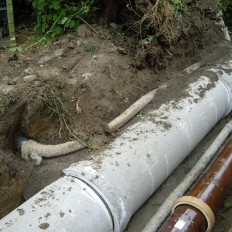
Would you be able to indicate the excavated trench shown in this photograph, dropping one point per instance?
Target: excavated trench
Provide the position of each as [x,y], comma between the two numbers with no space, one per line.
[9,175]
[14,173]
[13,180]
[14,177]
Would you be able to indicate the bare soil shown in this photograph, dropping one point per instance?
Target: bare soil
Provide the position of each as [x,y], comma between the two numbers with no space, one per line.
[94,80]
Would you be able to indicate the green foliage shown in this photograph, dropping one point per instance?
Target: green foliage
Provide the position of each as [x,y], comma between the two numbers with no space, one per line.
[4,104]
[226,7]
[180,5]
[41,40]
[89,144]
[227,204]
[223,4]
[90,47]
[150,38]
[140,115]
[16,49]
[58,16]
[120,33]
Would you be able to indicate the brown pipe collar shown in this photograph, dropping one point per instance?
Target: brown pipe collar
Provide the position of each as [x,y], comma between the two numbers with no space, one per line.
[195,212]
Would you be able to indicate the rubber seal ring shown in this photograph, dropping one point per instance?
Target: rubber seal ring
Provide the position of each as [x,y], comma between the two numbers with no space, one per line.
[200,205]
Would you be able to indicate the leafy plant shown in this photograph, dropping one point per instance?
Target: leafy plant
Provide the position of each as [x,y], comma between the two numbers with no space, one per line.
[57,16]
[16,49]
[180,5]
[226,7]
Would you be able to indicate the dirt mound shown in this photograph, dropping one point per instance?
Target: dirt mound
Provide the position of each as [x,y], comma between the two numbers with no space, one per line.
[75,86]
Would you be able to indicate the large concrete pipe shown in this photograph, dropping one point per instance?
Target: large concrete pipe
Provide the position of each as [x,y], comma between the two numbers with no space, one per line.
[103,193]
[66,205]
[195,212]
[164,210]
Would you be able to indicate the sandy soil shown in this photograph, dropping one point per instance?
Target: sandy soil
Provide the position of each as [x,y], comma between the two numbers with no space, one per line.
[94,80]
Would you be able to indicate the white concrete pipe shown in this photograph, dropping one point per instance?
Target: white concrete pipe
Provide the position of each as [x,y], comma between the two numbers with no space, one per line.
[102,194]
[66,205]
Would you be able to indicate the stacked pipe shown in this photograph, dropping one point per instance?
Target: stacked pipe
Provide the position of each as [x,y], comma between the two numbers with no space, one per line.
[164,210]
[103,193]
[195,212]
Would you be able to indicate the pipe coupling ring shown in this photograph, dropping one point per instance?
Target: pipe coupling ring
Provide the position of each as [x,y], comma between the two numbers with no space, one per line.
[200,205]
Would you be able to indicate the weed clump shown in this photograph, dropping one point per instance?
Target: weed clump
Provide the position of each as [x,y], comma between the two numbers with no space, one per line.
[163,19]
[90,47]
[4,104]
[56,106]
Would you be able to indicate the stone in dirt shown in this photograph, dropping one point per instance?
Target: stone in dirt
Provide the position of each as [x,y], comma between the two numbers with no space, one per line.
[29,71]
[30,78]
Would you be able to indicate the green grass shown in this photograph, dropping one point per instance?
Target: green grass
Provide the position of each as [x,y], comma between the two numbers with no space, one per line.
[90,47]
[4,104]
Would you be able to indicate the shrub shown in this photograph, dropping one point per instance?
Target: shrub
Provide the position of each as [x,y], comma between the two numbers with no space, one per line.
[226,7]
[57,16]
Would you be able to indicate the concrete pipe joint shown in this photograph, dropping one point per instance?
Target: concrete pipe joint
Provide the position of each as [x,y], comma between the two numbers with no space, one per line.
[103,193]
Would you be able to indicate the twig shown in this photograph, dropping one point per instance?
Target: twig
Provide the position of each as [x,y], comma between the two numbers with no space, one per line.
[40,40]
[55,104]
[74,136]
[89,26]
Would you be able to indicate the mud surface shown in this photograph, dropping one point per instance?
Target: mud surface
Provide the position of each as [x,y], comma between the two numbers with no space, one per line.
[75,85]
[14,176]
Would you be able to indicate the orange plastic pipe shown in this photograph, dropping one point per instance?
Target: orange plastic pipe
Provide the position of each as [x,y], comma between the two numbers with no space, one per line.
[195,212]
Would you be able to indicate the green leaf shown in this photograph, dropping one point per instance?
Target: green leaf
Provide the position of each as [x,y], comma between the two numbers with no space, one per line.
[57,30]
[55,16]
[63,21]
[119,33]
[49,16]
[16,49]
[227,204]
[34,4]
[54,5]
[150,38]
[13,49]
[72,24]
[67,23]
